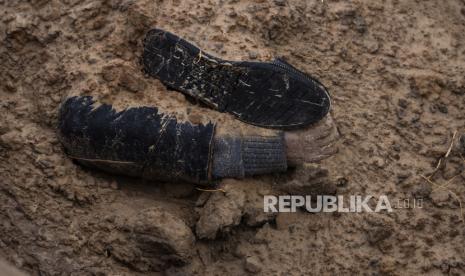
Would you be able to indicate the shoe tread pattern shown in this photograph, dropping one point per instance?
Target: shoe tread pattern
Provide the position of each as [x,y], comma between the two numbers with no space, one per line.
[273,95]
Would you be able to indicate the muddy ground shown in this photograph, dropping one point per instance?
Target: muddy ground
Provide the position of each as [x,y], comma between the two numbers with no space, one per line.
[395,70]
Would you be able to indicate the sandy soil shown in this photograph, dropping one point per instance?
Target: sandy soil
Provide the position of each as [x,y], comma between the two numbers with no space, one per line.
[396,73]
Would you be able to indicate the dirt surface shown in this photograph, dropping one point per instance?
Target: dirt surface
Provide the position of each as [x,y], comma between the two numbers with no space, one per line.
[395,70]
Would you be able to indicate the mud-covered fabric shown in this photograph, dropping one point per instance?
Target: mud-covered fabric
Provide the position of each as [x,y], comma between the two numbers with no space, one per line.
[227,158]
[237,157]
[138,141]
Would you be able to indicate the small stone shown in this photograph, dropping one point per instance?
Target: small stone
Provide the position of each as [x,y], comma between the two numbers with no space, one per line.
[253,55]
[43,147]
[114,185]
[252,264]
[378,162]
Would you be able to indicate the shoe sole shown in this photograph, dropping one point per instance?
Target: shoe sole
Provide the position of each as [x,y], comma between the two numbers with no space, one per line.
[273,95]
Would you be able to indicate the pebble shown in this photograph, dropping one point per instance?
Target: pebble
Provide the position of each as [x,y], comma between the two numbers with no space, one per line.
[252,264]
[114,185]
[378,162]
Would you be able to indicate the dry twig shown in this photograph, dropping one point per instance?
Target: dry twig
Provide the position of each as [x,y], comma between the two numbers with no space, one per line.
[445,185]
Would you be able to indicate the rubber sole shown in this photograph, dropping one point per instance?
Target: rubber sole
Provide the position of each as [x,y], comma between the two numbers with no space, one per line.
[273,95]
[138,141]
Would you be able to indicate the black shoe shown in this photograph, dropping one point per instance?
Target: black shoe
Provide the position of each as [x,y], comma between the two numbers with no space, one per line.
[274,95]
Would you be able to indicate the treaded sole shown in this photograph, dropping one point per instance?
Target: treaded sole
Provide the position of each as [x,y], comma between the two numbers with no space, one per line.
[258,93]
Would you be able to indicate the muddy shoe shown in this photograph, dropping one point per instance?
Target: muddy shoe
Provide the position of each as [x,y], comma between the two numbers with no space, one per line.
[274,95]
